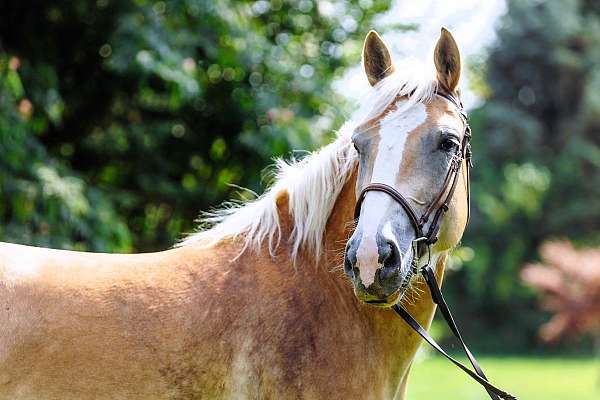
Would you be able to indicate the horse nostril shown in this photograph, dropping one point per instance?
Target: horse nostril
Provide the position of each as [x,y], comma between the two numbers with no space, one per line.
[350,262]
[348,268]
[390,260]
[388,254]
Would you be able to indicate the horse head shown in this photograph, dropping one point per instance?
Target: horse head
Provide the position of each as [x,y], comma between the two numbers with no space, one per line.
[412,151]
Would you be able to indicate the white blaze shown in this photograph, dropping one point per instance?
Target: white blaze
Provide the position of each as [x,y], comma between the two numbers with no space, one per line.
[394,130]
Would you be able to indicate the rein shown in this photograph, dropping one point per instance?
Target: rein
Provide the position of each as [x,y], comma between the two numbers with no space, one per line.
[422,245]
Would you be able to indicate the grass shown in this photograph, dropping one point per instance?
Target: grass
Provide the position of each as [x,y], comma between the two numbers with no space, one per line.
[528,378]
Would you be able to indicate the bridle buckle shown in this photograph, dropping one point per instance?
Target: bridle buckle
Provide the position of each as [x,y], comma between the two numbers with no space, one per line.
[416,246]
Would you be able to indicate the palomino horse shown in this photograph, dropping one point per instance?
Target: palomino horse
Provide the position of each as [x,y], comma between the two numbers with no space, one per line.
[257,307]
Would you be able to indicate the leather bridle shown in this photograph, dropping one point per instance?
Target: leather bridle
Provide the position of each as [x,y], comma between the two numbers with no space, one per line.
[435,212]
[440,204]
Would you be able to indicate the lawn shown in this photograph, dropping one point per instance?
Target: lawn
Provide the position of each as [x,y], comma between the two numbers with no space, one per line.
[526,377]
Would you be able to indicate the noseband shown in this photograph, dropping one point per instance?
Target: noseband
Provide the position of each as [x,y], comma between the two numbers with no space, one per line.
[424,240]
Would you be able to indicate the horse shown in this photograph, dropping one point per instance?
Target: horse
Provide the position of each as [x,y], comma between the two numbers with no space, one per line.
[282,297]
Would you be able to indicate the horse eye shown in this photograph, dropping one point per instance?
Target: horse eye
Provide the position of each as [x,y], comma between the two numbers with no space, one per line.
[356,148]
[449,143]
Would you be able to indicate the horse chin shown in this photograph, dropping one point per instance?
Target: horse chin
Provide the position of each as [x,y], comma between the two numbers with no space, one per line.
[386,302]
[394,297]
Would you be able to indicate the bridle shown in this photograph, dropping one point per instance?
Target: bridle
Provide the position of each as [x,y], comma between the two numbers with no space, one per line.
[463,152]
[435,212]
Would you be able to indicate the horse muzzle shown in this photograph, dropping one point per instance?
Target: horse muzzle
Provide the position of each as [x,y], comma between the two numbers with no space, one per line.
[381,282]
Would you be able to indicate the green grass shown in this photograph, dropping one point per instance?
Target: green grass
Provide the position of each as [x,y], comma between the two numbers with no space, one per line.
[528,378]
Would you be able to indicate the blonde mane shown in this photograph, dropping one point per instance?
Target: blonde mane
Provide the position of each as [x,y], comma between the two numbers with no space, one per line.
[313,183]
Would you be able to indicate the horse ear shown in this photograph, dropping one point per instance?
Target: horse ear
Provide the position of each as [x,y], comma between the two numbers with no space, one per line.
[447,61]
[376,58]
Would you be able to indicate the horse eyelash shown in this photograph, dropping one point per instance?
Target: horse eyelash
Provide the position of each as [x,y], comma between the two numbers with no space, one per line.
[449,138]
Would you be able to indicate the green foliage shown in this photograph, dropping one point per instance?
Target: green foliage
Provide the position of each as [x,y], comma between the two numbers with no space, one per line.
[41,201]
[145,111]
[537,155]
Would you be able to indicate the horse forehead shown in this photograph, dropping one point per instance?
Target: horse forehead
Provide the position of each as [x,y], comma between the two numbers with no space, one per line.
[442,113]
[397,124]
[396,134]
[391,131]
[387,137]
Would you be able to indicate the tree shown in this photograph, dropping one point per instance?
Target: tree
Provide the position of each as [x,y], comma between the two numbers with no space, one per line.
[148,109]
[41,200]
[536,158]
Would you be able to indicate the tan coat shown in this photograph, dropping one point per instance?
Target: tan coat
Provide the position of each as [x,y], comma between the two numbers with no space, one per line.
[189,323]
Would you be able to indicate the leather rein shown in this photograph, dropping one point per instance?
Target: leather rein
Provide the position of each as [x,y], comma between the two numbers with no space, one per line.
[435,212]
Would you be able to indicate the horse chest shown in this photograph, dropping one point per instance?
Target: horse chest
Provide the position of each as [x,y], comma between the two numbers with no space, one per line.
[298,348]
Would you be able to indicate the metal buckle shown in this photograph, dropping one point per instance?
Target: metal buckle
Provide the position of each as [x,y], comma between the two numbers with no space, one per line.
[416,253]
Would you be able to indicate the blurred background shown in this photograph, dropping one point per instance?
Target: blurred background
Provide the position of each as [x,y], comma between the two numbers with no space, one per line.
[120,120]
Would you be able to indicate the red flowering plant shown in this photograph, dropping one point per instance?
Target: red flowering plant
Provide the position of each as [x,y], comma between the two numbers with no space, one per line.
[569,279]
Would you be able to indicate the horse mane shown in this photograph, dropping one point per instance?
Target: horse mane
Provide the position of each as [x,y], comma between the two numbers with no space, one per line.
[313,183]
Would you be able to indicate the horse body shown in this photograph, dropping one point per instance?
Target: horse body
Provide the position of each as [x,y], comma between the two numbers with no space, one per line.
[257,306]
[198,323]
